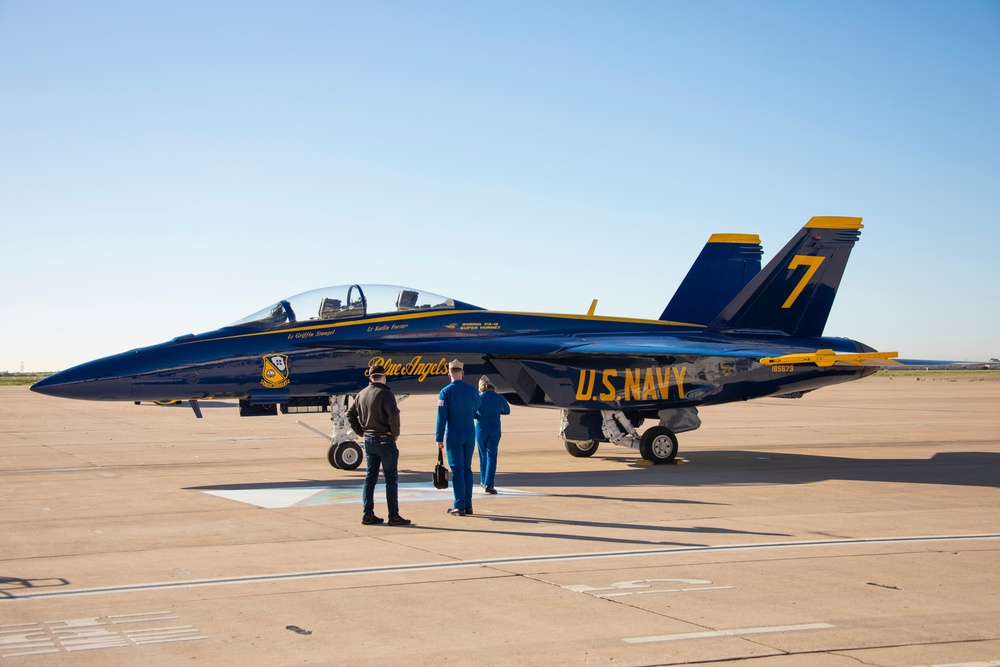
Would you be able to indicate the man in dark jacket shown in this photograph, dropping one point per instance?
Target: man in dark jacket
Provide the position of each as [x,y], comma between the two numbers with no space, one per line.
[375,415]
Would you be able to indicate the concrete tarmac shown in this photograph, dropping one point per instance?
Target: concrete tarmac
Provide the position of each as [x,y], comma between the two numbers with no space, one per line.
[857,525]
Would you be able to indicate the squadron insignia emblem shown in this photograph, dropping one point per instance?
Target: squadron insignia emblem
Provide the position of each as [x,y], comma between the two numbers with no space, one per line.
[275,373]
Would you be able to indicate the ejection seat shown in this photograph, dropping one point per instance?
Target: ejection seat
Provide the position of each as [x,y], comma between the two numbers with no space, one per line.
[407,300]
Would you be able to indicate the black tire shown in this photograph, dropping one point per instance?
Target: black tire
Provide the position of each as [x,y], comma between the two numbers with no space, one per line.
[581,450]
[331,456]
[348,456]
[658,444]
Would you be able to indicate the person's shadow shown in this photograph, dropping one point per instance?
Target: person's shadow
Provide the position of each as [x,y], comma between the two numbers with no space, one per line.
[11,586]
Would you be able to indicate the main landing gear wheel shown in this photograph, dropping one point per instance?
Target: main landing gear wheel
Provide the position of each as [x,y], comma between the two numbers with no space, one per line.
[346,456]
[658,444]
[581,449]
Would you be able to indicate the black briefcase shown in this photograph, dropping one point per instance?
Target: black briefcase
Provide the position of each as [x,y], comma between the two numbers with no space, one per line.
[440,474]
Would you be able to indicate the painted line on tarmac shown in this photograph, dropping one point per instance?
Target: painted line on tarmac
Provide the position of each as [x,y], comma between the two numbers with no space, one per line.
[727,633]
[8,593]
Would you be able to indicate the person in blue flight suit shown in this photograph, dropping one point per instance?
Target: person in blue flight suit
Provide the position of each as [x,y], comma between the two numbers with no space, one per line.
[457,405]
[492,405]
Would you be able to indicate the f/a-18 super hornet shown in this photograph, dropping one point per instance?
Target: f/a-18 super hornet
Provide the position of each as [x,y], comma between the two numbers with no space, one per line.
[731,332]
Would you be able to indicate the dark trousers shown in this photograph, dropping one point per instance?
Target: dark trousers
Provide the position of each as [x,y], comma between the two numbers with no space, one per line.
[487,441]
[381,451]
[460,449]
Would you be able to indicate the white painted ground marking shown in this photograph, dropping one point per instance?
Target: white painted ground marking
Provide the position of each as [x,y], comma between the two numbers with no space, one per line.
[641,586]
[92,633]
[727,633]
[279,496]
[491,562]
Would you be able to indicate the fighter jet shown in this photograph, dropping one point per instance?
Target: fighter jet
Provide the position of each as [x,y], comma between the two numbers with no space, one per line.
[731,332]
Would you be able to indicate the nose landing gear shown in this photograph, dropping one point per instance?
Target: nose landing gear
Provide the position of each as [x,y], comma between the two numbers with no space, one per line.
[345,453]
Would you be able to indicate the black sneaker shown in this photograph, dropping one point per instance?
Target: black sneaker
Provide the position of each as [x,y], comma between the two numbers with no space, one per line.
[468,510]
[456,512]
[371,520]
[491,490]
[398,521]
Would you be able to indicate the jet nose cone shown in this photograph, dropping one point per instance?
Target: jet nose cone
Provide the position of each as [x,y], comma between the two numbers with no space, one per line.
[104,389]
[107,379]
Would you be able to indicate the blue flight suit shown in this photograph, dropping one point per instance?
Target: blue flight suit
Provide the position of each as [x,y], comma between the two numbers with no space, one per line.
[488,433]
[457,405]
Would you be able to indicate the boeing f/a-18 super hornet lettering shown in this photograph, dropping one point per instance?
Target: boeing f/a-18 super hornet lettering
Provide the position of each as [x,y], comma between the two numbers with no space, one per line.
[730,333]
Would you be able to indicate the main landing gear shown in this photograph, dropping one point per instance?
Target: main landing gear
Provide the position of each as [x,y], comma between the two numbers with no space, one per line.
[580,449]
[658,444]
[582,432]
[345,452]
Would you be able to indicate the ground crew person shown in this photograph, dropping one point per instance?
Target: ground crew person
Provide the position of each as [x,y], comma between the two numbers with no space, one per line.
[492,405]
[375,415]
[457,405]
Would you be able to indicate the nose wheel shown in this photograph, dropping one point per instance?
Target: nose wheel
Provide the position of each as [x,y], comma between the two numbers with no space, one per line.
[344,452]
[345,455]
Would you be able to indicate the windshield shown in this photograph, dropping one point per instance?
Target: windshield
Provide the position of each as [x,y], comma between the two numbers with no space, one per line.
[348,302]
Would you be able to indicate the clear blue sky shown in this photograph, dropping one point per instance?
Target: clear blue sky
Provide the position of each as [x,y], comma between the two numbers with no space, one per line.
[169,167]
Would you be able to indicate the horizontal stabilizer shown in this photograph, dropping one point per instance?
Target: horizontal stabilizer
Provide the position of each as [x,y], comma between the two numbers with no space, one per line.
[959,365]
[795,291]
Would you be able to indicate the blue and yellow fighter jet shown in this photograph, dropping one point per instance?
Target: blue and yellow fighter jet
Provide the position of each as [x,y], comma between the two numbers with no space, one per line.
[730,333]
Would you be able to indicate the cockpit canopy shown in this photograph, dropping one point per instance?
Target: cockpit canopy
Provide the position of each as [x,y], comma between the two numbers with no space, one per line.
[343,302]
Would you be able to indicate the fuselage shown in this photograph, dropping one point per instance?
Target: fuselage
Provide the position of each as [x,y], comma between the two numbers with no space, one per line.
[563,361]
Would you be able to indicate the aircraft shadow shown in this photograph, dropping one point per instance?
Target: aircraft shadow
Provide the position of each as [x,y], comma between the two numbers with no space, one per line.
[724,467]
[714,468]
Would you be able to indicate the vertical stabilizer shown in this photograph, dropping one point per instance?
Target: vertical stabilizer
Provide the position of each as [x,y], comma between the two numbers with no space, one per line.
[795,291]
[726,264]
